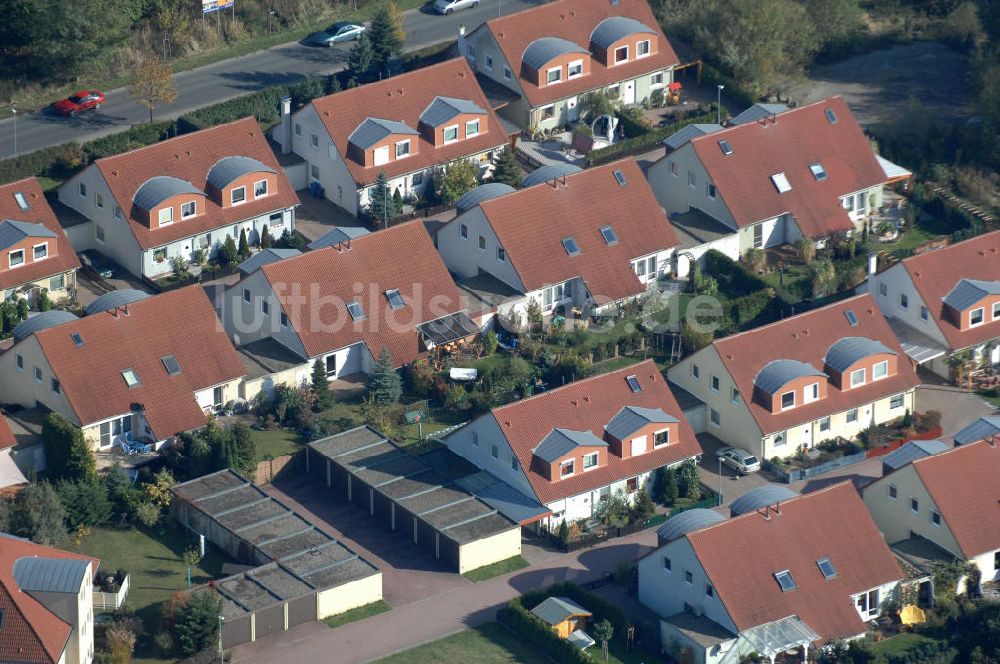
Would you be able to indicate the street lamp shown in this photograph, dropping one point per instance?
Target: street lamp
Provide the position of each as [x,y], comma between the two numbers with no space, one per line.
[221,655]
[14,112]
[385,205]
[720,481]
[718,105]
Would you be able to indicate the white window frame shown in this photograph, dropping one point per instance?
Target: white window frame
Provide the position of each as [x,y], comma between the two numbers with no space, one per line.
[614,55]
[548,112]
[468,124]
[569,69]
[247,298]
[501,254]
[875,369]
[864,377]
[695,371]
[232,195]
[900,398]
[314,141]
[711,191]
[99,200]
[463,231]
[60,286]
[657,445]
[10,258]
[169,220]
[851,416]
[638,49]
[715,383]
[571,464]
[267,188]
[791,405]
[265,307]
[825,424]
[656,80]
[996,311]
[869,612]
[34,251]
[444,134]
[904,301]
[883,289]
[592,455]
[83,189]
[935,522]
[714,417]
[406,154]
[925,315]
[982,316]
[734,396]
[810,393]
[118,213]
[188,216]
[548,75]
[892,493]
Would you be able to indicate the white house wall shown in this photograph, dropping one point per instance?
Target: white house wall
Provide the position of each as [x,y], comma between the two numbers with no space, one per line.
[465,259]
[324,163]
[897,283]
[244,322]
[674,193]
[20,387]
[486,431]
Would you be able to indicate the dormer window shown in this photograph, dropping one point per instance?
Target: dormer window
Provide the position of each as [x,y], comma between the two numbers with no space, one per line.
[661,438]
[553,75]
[621,54]
[976,317]
[880,370]
[238,195]
[403,149]
[788,400]
[188,209]
[574,69]
[567,468]
[471,128]
[260,188]
[40,251]
[590,461]
[857,377]
[451,134]
[166,216]
[642,48]
[810,393]
[996,311]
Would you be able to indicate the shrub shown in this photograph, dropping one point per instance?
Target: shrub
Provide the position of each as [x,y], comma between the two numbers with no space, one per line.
[530,627]
[646,141]
[734,278]
[929,420]
[746,309]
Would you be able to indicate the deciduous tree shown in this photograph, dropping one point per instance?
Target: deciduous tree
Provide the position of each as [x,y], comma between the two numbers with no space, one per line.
[38,514]
[153,84]
[461,176]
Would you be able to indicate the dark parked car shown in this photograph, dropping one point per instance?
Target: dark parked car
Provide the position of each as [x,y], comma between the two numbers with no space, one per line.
[84,100]
[97,263]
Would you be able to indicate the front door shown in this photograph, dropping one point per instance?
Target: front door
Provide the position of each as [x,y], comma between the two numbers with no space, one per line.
[572,112]
[628,92]
[331,366]
[758,236]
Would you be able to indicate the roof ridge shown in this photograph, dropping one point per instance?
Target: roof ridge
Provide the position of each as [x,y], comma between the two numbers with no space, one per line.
[172,139]
[725,339]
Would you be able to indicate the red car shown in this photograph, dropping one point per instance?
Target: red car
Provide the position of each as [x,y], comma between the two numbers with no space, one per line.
[81,101]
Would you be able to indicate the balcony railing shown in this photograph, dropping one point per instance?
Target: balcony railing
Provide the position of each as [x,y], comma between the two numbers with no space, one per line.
[104,601]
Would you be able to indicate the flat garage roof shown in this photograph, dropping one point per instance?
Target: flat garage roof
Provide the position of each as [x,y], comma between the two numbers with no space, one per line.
[413,484]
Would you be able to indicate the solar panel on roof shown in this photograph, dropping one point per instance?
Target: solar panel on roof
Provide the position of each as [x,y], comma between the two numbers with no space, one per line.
[395,299]
[726,148]
[851,318]
[570,245]
[830,115]
[610,237]
[621,178]
[354,308]
[171,364]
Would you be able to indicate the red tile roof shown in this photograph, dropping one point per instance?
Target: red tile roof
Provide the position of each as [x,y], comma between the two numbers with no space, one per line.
[190,157]
[936,272]
[795,140]
[181,323]
[29,633]
[597,401]
[314,289]
[806,338]
[402,99]
[531,224]
[830,522]
[575,20]
[64,258]
[963,484]
[7,438]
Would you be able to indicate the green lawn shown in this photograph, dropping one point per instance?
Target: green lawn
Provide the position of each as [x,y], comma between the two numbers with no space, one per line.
[360,613]
[491,643]
[900,644]
[925,230]
[496,569]
[995,400]
[153,562]
[275,442]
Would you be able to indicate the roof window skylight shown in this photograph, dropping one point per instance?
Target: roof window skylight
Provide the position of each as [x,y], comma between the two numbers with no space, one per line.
[77,339]
[131,377]
[818,171]
[726,148]
[633,383]
[395,299]
[621,178]
[171,364]
[22,202]
[827,568]
[781,183]
[354,308]
[609,235]
[830,116]
[785,580]
[570,245]
[851,318]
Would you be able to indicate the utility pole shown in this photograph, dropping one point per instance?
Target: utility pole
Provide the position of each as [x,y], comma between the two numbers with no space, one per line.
[720,474]
[718,105]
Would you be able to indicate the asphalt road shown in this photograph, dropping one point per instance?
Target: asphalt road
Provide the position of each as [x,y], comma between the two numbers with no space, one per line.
[280,65]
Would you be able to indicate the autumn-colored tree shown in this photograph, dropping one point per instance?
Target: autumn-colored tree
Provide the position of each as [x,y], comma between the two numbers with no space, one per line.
[153,84]
[158,491]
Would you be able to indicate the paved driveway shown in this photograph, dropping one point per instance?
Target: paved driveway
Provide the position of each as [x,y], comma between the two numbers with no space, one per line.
[731,484]
[957,408]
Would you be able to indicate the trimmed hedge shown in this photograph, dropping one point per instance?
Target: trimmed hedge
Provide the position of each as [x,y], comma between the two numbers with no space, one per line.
[600,607]
[646,141]
[734,278]
[529,626]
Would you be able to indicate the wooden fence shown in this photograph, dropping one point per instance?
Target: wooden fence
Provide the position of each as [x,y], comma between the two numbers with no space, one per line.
[268,469]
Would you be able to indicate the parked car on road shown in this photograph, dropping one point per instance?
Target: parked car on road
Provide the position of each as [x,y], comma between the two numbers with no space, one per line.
[338,32]
[84,100]
[448,6]
[97,263]
[738,459]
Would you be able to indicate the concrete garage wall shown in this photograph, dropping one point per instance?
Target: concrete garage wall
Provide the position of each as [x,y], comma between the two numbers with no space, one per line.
[269,621]
[489,550]
[301,610]
[237,631]
[348,596]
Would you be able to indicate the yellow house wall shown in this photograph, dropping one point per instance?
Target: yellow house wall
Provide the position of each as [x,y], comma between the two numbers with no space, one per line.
[349,596]
[489,550]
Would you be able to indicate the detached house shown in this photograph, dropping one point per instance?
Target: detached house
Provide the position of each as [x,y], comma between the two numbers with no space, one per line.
[944,507]
[791,385]
[342,305]
[574,446]
[168,200]
[809,171]
[46,600]
[945,304]
[34,252]
[135,368]
[406,126]
[587,239]
[551,56]
[778,576]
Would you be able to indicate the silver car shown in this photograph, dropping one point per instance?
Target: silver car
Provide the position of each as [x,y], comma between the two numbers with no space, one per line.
[448,6]
[739,460]
[338,32]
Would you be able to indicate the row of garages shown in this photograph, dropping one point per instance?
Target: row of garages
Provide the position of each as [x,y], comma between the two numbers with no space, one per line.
[302,574]
[412,498]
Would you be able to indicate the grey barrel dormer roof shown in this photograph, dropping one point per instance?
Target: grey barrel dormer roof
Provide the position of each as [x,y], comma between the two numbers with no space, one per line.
[157,189]
[42,321]
[911,451]
[969,291]
[443,109]
[561,441]
[632,418]
[684,135]
[549,172]
[984,427]
[12,232]
[779,373]
[483,192]
[688,521]
[849,350]
[614,28]
[543,50]
[114,299]
[228,169]
[265,257]
[769,494]
[373,130]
